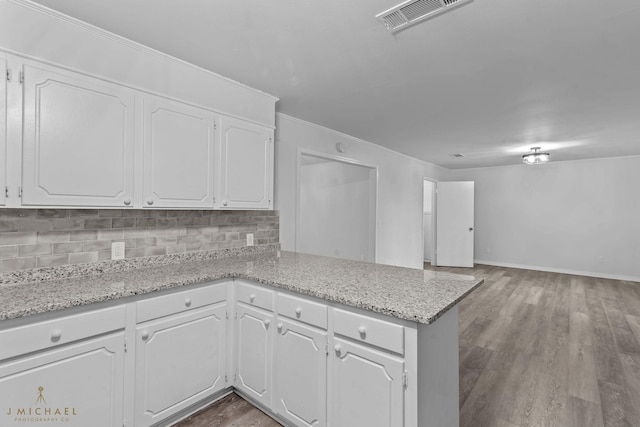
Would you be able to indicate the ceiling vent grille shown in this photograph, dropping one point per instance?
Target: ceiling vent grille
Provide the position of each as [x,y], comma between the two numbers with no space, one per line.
[413,11]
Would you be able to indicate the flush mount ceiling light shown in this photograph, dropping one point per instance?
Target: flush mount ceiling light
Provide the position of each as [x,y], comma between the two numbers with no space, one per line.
[535,157]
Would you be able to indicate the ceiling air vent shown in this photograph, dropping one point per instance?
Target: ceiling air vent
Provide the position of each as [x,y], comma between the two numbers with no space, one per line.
[413,11]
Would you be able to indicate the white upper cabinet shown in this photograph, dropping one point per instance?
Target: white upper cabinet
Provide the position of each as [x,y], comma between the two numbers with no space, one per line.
[3,132]
[78,142]
[245,166]
[89,142]
[178,154]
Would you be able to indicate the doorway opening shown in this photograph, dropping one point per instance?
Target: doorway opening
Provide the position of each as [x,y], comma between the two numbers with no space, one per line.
[336,207]
[428,221]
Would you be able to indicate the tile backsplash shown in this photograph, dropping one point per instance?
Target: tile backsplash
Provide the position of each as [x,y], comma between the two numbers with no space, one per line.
[33,238]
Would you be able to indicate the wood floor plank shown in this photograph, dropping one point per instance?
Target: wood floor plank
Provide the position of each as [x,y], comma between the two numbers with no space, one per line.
[584,413]
[583,381]
[634,324]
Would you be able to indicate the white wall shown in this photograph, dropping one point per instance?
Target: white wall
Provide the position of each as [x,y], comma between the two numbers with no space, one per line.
[400,187]
[334,215]
[581,216]
[427,223]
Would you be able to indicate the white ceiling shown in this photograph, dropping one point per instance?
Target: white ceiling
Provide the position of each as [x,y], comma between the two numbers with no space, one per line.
[489,79]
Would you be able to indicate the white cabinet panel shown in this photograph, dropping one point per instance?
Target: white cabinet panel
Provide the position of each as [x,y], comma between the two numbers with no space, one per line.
[367,387]
[300,377]
[78,140]
[178,154]
[78,384]
[180,360]
[245,166]
[254,345]
[3,132]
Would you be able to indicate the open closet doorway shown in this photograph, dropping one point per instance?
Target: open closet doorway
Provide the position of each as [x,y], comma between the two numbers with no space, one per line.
[428,221]
[336,207]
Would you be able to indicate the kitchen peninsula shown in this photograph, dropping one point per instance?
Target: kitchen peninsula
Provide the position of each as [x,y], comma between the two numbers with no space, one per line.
[311,340]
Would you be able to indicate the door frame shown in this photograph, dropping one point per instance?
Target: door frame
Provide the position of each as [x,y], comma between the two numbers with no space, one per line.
[373,210]
[434,220]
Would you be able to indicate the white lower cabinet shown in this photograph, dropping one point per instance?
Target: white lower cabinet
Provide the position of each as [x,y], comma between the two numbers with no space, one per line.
[180,360]
[254,344]
[309,363]
[367,387]
[300,374]
[65,371]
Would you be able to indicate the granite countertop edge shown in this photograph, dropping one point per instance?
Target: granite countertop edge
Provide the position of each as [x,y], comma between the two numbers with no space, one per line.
[425,316]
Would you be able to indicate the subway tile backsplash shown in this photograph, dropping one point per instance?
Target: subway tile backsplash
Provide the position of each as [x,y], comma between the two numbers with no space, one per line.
[33,238]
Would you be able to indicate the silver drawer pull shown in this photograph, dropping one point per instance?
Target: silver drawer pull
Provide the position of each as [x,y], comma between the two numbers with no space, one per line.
[298,312]
[144,335]
[150,202]
[252,297]
[362,331]
[187,302]
[338,349]
[56,334]
[280,326]
[127,202]
[267,322]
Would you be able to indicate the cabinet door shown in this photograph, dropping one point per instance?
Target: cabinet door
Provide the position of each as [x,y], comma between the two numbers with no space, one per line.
[300,377]
[254,353]
[178,155]
[367,387]
[180,360]
[3,131]
[76,385]
[78,140]
[246,166]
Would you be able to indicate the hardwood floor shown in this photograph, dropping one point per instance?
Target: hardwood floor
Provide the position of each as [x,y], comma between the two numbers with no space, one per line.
[536,349]
[548,349]
[230,411]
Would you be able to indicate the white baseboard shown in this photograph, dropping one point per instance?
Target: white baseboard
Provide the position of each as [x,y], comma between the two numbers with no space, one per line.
[559,270]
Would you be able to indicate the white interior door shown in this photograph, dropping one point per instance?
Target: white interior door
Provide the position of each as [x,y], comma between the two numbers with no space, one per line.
[454,224]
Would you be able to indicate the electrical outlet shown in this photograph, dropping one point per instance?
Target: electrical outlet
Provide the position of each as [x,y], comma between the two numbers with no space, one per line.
[249,239]
[117,250]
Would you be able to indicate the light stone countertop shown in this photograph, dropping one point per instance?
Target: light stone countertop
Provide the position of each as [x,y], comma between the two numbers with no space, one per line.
[409,294]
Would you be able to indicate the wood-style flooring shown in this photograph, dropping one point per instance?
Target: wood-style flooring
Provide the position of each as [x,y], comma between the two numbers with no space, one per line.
[230,411]
[536,349]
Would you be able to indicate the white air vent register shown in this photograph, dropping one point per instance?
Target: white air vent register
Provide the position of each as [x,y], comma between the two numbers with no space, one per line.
[413,11]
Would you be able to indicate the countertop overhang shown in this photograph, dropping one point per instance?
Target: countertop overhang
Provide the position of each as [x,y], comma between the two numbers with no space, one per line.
[414,295]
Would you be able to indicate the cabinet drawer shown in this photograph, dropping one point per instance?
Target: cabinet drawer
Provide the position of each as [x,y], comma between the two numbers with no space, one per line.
[254,295]
[50,333]
[369,330]
[165,305]
[302,310]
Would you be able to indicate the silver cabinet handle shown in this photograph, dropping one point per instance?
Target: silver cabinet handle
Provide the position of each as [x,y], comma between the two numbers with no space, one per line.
[338,349]
[144,335]
[280,326]
[362,331]
[252,297]
[56,334]
[150,202]
[224,203]
[127,202]
[267,322]
[298,312]
[187,302]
